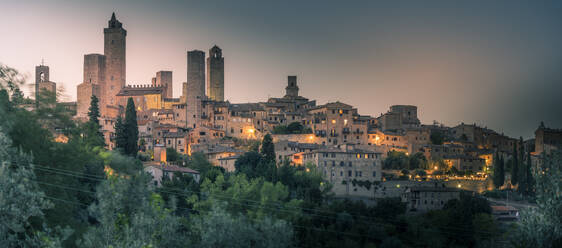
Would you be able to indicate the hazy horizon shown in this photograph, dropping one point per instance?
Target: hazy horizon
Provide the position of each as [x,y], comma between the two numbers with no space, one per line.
[496,64]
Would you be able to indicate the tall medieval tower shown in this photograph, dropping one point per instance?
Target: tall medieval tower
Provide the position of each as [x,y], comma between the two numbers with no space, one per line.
[215,74]
[114,51]
[195,86]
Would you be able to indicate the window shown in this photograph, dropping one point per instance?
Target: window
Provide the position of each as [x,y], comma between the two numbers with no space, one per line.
[349,173]
[374,173]
[342,164]
[350,164]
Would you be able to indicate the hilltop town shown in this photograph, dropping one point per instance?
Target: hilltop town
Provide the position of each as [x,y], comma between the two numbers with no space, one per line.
[289,152]
[345,145]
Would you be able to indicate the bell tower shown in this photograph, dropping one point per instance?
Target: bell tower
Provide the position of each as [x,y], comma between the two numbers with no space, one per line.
[292,90]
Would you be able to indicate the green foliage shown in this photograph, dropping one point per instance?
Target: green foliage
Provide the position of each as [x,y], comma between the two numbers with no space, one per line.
[255,165]
[120,134]
[396,160]
[293,128]
[268,149]
[130,215]
[94,111]
[303,185]
[436,138]
[540,227]
[22,202]
[172,155]
[131,129]
[526,180]
[92,129]
[219,228]
[499,173]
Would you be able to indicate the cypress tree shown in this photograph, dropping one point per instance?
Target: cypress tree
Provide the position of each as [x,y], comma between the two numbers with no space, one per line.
[515,166]
[498,171]
[93,132]
[120,135]
[267,148]
[529,181]
[94,111]
[131,128]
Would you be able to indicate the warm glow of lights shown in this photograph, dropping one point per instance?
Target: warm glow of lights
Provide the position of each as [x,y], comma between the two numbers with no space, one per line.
[397,185]
[377,138]
[61,138]
[345,122]
[108,170]
[333,121]
[307,169]
[459,185]
[251,130]
[435,167]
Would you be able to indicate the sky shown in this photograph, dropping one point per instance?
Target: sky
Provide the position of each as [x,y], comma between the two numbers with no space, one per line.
[494,63]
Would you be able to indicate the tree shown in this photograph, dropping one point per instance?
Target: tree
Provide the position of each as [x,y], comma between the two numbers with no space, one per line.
[92,133]
[417,161]
[526,177]
[255,165]
[130,215]
[396,160]
[499,175]
[22,201]
[172,155]
[436,138]
[120,134]
[540,227]
[268,149]
[131,129]
[515,166]
[219,228]
[94,111]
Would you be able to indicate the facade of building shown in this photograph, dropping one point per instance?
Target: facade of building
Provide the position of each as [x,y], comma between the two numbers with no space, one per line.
[422,199]
[346,168]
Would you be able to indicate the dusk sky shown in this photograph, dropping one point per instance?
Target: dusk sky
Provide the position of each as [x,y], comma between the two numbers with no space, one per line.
[494,63]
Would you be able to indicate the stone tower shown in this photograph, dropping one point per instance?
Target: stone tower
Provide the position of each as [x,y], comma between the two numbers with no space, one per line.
[164,79]
[42,82]
[195,86]
[94,80]
[292,90]
[114,51]
[195,74]
[215,74]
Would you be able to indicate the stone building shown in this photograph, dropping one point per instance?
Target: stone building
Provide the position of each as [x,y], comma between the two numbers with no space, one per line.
[347,169]
[400,117]
[215,74]
[422,199]
[115,61]
[195,86]
[93,83]
[547,140]
[164,79]
[145,97]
